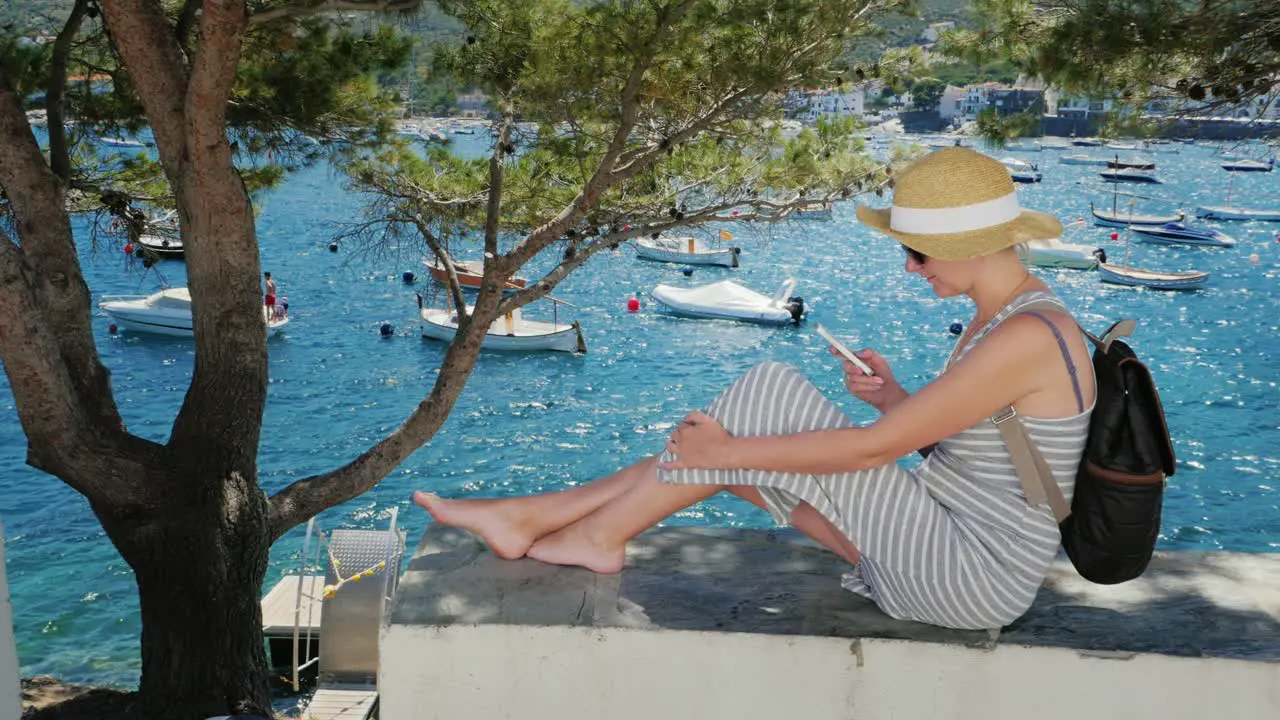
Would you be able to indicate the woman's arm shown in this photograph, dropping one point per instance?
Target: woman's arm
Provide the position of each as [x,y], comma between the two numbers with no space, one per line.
[995,374]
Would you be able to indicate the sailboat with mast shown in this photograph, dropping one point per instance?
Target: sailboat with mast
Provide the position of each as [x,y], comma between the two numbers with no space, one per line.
[1230,212]
[1117,217]
[1126,274]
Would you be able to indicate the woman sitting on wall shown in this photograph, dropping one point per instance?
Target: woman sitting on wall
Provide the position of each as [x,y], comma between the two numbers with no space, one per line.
[953,542]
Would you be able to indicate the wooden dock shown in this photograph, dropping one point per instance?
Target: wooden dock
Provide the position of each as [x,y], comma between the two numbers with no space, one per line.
[277,606]
[342,703]
[277,619]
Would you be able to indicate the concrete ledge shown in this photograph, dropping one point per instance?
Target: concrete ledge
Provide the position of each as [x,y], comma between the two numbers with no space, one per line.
[745,624]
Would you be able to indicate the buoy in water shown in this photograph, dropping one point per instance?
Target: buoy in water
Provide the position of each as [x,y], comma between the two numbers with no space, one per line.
[686,271]
[1254,259]
[112,328]
[956,328]
[1115,236]
[128,249]
[633,304]
[408,277]
[387,330]
[333,247]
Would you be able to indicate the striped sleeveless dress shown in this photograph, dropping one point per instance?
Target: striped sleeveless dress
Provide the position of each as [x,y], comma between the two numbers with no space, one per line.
[952,542]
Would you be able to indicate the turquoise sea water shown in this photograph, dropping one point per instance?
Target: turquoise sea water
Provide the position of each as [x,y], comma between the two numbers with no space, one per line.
[540,422]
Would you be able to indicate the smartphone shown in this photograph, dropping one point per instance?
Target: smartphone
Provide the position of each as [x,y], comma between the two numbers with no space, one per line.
[846,352]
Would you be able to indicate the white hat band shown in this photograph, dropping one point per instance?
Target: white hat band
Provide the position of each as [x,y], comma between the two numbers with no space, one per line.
[941,221]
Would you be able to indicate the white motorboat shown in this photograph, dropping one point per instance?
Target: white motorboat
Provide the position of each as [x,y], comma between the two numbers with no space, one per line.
[167,312]
[1057,254]
[1021,171]
[1025,146]
[817,210]
[512,332]
[1227,212]
[1156,280]
[685,250]
[727,300]
[161,246]
[1122,146]
[1082,160]
[1179,234]
[1249,166]
[1086,142]
[120,142]
[1124,218]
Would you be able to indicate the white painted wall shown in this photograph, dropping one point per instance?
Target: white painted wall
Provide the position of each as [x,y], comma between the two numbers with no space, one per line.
[10,686]
[565,673]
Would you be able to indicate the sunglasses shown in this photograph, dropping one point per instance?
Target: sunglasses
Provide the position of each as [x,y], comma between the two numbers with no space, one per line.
[916,255]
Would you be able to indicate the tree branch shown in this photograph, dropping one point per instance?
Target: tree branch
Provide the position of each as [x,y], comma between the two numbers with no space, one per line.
[291,12]
[493,212]
[37,199]
[59,154]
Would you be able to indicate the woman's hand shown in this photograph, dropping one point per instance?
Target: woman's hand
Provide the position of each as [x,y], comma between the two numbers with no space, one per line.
[699,443]
[881,390]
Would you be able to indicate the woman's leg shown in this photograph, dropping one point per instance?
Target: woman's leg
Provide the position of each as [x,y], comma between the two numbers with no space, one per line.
[598,541]
[510,525]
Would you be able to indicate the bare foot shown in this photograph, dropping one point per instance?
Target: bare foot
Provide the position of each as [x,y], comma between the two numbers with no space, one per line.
[572,546]
[504,535]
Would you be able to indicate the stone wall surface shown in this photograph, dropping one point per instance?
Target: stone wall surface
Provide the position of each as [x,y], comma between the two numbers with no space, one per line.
[746,624]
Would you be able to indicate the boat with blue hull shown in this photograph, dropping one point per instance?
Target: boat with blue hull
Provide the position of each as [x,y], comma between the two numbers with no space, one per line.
[1179,234]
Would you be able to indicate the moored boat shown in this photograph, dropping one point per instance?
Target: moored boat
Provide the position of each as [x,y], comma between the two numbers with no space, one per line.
[1249,165]
[685,250]
[1156,280]
[470,274]
[1021,170]
[511,332]
[1128,176]
[1124,218]
[161,246]
[817,210]
[167,312]
[1057,254]
[1227,212]
[727,300]
[1179,234]
[1081,160]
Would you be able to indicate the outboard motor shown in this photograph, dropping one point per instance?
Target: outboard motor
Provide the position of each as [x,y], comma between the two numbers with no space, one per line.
[795,306]
[736,252]
[1100,254]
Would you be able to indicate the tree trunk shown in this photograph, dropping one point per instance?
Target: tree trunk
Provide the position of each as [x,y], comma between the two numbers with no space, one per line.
[199,558]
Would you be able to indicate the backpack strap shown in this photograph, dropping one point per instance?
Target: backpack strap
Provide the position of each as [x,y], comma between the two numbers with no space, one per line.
[1038,483]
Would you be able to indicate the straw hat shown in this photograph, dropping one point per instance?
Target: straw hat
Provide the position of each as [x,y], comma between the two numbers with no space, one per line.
[957,204]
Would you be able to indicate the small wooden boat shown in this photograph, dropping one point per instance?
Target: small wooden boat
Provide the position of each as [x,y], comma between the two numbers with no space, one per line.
[727,300]
[1057,254]
[818,210]
[1081,160]
[1179,234]
[1249,166]
[511,332]
[1227,212]
[1124,218]
[1128,176]
[686,251]
[1121,275]
[470,274]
